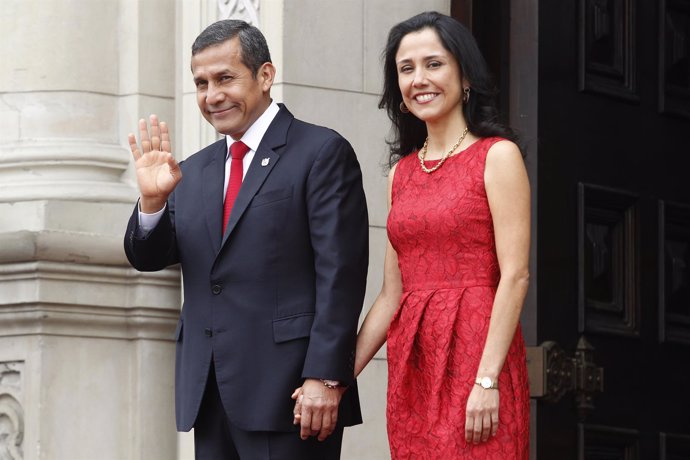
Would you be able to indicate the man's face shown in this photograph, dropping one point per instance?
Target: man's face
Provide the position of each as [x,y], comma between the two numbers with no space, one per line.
[229,97]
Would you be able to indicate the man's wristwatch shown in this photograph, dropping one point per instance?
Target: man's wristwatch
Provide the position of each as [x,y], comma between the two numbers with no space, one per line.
[332,384]
[487,383]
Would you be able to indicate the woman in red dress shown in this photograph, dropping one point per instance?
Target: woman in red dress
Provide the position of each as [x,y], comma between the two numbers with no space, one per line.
[456,265]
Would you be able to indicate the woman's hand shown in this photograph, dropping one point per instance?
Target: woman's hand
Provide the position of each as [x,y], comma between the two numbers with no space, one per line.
[481,417]
[297,411]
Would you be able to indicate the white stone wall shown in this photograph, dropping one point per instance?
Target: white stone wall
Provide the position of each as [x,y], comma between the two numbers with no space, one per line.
[86,351]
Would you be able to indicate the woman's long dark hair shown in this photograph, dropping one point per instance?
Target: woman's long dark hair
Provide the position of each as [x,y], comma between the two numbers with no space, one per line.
[481,113]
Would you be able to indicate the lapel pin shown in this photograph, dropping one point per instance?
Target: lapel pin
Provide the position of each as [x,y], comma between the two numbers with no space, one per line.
[265,161]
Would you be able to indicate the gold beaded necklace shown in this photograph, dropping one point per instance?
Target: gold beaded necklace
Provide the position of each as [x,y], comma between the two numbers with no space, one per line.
[422,153]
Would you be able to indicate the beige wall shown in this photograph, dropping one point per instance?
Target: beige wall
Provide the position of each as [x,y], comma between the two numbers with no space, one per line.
[86,356]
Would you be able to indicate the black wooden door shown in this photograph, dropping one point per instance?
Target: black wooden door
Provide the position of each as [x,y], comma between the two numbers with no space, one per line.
[613,225]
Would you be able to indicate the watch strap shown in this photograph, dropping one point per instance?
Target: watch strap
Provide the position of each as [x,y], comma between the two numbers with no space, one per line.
[487,383]
[332,384]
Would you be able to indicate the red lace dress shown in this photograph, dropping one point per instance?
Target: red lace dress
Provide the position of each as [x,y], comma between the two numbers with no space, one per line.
[441,228]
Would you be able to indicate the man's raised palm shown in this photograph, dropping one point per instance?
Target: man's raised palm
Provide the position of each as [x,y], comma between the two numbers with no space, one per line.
[157,171]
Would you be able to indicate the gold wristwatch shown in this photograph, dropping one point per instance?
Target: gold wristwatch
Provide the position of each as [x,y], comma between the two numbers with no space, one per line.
[487,383]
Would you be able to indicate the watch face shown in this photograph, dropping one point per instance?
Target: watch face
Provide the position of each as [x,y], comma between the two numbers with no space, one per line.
[486,382]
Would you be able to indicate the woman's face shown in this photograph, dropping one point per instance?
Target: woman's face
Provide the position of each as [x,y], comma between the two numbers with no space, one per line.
[428,76]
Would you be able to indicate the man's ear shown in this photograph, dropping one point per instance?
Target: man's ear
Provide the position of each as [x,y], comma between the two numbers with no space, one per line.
[266,74]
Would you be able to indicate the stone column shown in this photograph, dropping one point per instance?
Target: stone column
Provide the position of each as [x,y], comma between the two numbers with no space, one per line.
[86,351]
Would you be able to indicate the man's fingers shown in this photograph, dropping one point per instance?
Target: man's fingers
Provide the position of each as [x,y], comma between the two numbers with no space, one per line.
[165,137]
[305,424]
[153,119]
[158,140]
[133,146]
[324,434]
[319,410]
[155,133]
[144,136]
[174,167]
[326,426]
[316,423]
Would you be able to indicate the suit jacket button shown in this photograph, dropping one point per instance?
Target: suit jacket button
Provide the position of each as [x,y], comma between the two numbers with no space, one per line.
[216,289]
[208,332]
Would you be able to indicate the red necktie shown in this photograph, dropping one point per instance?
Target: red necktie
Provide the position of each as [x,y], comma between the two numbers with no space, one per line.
[237,151]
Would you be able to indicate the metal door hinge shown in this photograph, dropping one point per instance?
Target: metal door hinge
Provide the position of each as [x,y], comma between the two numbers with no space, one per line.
[552,374]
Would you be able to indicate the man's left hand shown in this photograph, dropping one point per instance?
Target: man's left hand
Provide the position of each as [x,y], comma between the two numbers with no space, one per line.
[316,408]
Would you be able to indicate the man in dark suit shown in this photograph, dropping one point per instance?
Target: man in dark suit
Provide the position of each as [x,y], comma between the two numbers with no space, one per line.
[270,228]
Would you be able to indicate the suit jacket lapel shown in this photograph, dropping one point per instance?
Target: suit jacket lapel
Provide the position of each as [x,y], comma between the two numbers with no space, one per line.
[213,177]
[261,166]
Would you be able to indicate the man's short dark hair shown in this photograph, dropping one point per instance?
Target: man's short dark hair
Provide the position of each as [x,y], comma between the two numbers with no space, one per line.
[252,42]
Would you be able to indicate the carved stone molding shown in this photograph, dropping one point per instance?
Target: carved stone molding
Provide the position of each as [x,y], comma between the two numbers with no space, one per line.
[11,374]
[11,411]
[246,10]
[47,298]
[64,169]
[61,246]
[62,145]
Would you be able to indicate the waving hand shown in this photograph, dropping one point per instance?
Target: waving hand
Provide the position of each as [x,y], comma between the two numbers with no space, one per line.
[157,171]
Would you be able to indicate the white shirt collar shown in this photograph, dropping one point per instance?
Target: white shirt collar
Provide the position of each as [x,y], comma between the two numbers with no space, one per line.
[252,138]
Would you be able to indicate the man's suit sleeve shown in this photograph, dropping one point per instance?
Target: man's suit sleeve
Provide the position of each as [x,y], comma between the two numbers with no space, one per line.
[157,249]
[339,230]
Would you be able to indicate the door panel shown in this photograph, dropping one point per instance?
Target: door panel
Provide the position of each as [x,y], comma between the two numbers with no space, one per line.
[613,224]
[612,213]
